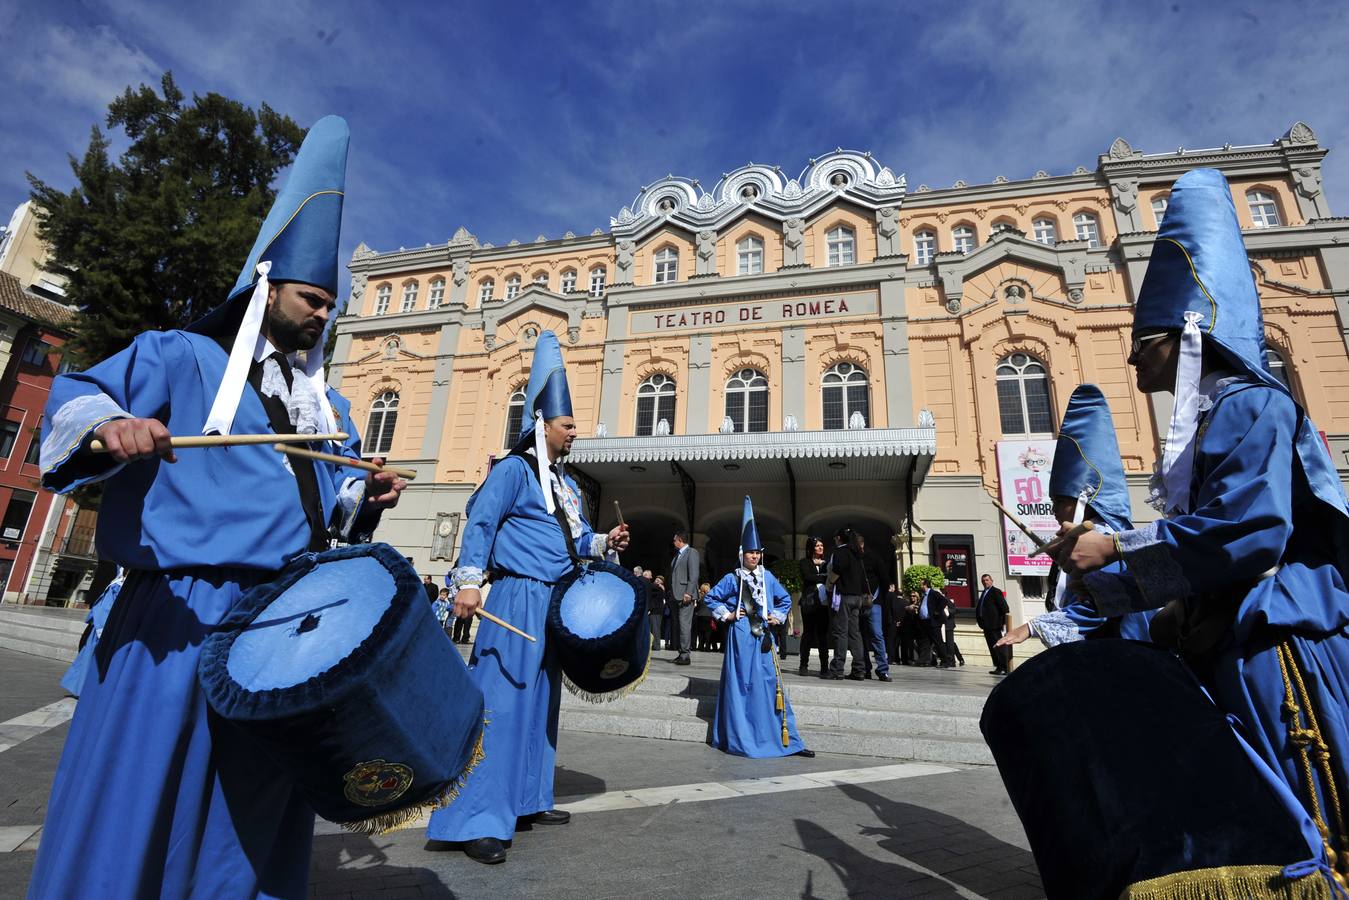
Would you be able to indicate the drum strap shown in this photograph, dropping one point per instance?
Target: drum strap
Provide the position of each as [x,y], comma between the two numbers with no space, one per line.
[565,526]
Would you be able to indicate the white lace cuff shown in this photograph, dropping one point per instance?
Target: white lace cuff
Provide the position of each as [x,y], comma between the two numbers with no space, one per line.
[1159,577]
[1054,628]
[466,576]
[68,428]
[598,544]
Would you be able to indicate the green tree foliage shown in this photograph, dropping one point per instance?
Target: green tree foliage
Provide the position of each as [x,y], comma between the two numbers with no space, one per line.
[788,573]
[914,575]
[156,239]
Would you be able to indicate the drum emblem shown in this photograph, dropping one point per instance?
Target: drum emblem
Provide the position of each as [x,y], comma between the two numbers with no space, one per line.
[614,668]
[377,782]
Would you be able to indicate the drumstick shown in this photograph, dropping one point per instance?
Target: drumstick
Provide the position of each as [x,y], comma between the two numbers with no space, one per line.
[233,440]
[618,511]
[409,474]
[1039,542]
[504,624]
[1071,534]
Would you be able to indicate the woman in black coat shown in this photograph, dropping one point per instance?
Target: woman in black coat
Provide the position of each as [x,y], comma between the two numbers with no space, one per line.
[815,606]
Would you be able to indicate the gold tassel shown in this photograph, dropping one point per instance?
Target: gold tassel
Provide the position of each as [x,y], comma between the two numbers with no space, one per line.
[1230,883]
[781,700]
[376,825]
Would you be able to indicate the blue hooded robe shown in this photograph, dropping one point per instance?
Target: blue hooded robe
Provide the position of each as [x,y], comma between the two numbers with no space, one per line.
[155,796]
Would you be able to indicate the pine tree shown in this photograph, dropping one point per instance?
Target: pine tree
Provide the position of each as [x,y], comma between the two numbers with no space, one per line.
[156,240]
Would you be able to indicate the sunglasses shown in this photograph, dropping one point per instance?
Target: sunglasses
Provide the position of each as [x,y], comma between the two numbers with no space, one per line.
[1137,345]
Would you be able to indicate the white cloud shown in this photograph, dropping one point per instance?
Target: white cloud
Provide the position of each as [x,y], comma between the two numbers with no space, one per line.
[83,68]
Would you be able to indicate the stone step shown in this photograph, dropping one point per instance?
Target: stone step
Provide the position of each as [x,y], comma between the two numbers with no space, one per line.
[39,634]
[826,716]
[70,621]
[38,648]
[873,695]
[855,742]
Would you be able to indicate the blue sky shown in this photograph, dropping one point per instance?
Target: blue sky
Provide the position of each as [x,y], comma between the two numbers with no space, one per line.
[518,118]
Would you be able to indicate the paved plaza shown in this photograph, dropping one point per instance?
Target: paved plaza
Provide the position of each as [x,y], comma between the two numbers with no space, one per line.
[651,818]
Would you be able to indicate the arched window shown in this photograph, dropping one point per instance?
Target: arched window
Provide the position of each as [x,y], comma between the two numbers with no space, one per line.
[409,297]
[569,281]
[1046,232]
[1023,396]
[437,295]
[486,288]
[597,278]
[541,278]
[655,401]
[963,239]
[845,391]
[666,262]
[515,416]
[1264,211]
[842,246]
[512,287]
[1087,229]
[1004,225]
[382,296]
[924,247]
[1159,204]
[1278,367]
[747,400]
[749,256]
[380,427]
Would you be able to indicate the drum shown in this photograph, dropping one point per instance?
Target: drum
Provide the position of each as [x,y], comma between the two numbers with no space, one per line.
[340,671]
[1131,783]
[598,628]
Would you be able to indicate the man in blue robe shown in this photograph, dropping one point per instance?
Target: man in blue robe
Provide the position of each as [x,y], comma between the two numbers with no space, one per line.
[154,794]
[1249,562]
[525,530]
[1086,483]
[754,717]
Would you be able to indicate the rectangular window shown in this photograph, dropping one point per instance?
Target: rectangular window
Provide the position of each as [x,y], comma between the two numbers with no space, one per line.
[16,515]
[833,407]
[924,245]
[568,282]
[34,446]
[409,298]
[1037,405]
[9,435]
[437,295]
[1009,407]
[597,282]
[36,352]
[758,411]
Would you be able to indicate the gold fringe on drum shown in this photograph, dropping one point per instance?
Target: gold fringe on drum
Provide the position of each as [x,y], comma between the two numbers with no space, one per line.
[1230,883]
[606,696]
[376,825]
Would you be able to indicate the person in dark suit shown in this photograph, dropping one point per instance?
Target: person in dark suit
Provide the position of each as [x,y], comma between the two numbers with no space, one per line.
[953,654]
[683,584]
[655,606]
[432,592]
[932,609]
[910,628]
[994,620]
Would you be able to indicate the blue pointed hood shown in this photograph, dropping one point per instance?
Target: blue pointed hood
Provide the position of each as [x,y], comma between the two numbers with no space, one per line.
[300,235]
[1087,456]
[547,391]
[749,532]
[1199,264]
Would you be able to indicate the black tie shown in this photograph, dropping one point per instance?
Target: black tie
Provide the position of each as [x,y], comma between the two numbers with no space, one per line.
[305,479]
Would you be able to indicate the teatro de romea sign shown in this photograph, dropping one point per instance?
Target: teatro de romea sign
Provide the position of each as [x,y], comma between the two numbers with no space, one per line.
[738,315]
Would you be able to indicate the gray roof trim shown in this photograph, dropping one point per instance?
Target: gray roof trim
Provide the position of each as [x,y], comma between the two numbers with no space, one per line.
[858,442]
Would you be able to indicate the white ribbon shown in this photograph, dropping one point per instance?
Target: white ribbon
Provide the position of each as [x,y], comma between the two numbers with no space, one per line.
[1079,512]
[541,460]
[231,389]
[318,379]
[1178,455]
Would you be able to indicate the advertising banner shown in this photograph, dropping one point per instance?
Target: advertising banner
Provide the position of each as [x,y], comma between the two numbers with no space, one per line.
[1023,483]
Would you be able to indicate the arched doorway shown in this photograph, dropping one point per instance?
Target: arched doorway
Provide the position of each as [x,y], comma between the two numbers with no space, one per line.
[874,530]
[651,530]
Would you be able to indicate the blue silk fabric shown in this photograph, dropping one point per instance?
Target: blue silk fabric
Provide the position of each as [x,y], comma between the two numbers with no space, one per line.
[547,392]
[1259,542]
[598,627]
[1121,770]
[340,670]
[73,681]
[747,722]
[199,809]
[510,531]
[1199,264]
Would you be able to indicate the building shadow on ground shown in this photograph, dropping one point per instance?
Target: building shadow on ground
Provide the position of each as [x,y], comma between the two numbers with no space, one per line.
[348,865]
[923,851]
[571,783]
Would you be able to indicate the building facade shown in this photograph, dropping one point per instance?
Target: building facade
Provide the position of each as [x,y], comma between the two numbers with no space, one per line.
[846,349]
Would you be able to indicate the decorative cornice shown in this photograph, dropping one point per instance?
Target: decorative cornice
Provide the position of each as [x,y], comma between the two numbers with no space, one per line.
[844,444]
[675,200]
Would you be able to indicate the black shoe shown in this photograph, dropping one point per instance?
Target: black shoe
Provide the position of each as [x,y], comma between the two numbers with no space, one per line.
[803,671]
[683,661]
[855,677]
[999,671]
[808,754]
[867,675]
[486,850]
[551,817]
[995,671]
[831,676]
[886,678]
